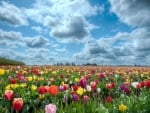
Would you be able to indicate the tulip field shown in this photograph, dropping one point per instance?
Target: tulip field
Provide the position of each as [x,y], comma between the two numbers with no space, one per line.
[74,89]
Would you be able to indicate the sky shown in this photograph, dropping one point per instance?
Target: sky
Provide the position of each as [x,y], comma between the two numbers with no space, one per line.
[44,32]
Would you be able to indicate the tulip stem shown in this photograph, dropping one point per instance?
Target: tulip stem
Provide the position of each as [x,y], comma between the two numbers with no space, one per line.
[10,106]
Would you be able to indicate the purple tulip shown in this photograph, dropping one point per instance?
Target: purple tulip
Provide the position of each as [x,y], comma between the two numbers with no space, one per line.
[61,88]
[50,108]
[123,86]
[83,83]
[75,97]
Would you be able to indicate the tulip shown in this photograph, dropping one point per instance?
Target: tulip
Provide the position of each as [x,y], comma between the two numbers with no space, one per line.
[147,83]
[83,83]
[29,78]
[134,84]
[8,87]
[122,108]
[75,97]
[80,91]
[35,71]
[46,88]
[88,88]
[109,99]
[98,90]
[75,88]
[76,80]
[93,85]
[42,90]
[66,86]
[53,90]
[17,104]
[110,85]
[85,98]
[61,88]
[142,84]
[9,94]
[2,71]
[12,81]
[50,108]
[33,87]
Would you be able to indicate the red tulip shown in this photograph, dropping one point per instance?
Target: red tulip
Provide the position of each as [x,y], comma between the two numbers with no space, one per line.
[110,85]
[109,99]
[93,85]
[46,89]
[142,84]
[35,71]
[147,83]
[66,86]
[9,94]
[12,81]
[75,88]
[41,90]
[17,104]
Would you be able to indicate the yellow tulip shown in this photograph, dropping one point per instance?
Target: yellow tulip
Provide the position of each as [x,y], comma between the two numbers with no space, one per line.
[2,71]
[40,78]
[80,91]
[34,77]
[54,72]
[7,71]
[142,75]
[14,86]
[23,85]
[33,87]
[30,78]
[122,108]
[8,87]
[62,83]
[76,80]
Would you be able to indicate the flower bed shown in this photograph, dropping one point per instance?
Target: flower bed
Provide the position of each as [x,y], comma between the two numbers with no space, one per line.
[51,89]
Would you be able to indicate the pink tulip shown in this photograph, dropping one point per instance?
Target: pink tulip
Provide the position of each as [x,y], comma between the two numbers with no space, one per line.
[50,108]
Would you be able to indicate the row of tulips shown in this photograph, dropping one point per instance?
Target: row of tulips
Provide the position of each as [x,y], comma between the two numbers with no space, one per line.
[50,89]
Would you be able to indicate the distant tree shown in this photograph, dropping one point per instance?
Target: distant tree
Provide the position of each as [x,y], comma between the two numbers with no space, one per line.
[5,61]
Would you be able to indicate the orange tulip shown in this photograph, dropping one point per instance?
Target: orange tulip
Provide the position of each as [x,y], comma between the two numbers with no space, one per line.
[53,90]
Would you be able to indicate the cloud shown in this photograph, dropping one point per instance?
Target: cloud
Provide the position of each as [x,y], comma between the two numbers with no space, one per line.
[37,28]
[10,35]
[38,56]
[40,29]
[74,28]
[11,54]
[65,19]
[15,39]
[61,50]
[93,48]
[11,14]
[36,42]
[10,38]
[132,12]
[123,48]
